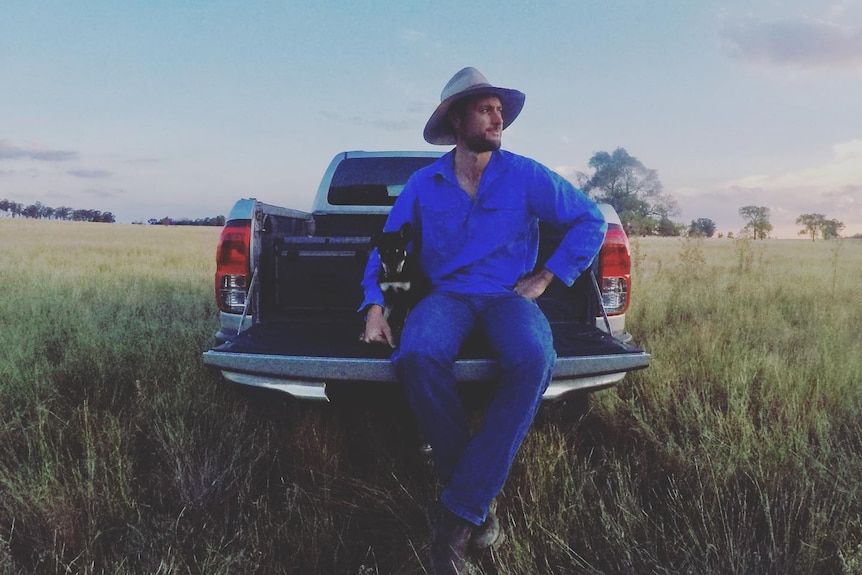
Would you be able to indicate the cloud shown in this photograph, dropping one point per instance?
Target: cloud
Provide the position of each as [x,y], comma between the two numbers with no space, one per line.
[90,174]
[31,173]
[104,192]
[801,43]
[412,35]
[391,124]
[10,152]
[844,169]
[833,188]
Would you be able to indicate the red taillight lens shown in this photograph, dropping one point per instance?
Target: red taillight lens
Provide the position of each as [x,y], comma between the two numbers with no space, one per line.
[232,266]
[615,266]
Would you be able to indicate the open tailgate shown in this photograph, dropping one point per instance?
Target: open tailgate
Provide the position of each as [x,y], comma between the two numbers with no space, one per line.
[303,356]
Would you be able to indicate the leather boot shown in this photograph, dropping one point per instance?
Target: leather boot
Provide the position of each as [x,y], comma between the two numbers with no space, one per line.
[450,543]
[489,533]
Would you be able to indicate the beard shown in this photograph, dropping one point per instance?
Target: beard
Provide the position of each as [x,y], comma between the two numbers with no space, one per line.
[480,143]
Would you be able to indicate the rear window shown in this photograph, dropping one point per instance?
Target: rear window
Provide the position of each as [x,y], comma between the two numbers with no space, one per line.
[372,181]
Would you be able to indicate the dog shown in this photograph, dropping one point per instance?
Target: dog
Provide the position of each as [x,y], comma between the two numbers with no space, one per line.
[399,278]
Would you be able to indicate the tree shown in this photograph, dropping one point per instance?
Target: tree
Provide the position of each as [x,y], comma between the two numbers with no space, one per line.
[831,229]
[758,221]
[702,227]
[669,228]
[33,211]
[817,224]
[633,190]
[812,224]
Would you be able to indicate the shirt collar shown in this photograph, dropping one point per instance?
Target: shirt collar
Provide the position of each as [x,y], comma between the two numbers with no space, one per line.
[446,167]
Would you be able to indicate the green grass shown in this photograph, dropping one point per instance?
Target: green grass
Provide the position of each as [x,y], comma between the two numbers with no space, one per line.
[736,451]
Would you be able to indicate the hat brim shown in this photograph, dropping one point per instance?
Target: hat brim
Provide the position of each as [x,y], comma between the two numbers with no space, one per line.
[439,131]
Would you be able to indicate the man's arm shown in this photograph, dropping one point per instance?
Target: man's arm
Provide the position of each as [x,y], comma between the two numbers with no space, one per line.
[377,329]
[566,206]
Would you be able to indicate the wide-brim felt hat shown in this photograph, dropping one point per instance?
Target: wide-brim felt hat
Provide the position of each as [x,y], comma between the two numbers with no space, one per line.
[465,83]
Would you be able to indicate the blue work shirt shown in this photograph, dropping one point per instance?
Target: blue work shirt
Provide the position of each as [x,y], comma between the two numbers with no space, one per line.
[483,245]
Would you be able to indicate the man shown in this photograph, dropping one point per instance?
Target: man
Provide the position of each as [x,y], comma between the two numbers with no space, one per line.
[475,215]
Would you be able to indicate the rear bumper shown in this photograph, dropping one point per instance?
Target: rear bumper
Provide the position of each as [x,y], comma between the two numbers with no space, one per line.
[307,378]
[317,390]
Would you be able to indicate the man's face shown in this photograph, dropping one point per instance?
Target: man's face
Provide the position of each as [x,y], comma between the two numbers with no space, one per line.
[480,124]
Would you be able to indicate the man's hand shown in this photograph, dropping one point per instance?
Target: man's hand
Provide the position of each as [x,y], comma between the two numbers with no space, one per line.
[377,329]
[533,285]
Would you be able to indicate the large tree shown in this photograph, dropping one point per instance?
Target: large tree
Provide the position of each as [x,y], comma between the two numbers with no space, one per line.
[702,227]
[832,229]
[812,224]
[633,190]
[757,218]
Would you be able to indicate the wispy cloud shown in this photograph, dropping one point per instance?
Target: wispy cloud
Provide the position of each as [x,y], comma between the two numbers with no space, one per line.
[90,174]
[412,35]
[12,152]
[844,169]
[104,192]
[833,188]
[394,124]
[802,43]
[31,173]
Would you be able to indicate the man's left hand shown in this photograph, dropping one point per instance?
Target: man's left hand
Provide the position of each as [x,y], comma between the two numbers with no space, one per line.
[533,285]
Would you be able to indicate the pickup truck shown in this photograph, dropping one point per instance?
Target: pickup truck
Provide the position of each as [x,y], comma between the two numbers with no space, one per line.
[287,286]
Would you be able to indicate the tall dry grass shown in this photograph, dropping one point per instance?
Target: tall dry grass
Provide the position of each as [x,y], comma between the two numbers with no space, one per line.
[737,451]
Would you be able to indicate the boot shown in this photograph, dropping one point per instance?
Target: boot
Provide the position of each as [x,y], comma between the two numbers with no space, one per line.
[451,540]
[489,533]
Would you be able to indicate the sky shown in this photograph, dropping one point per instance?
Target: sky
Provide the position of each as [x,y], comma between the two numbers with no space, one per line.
[153,108]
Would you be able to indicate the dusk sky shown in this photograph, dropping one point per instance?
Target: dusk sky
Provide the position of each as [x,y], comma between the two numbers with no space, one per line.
[178,108]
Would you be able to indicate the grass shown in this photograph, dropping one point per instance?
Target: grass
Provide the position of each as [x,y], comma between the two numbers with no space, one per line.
[736,451]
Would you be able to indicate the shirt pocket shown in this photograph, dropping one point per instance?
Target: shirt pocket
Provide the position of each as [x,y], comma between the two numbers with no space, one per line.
[444,229]
[501,221]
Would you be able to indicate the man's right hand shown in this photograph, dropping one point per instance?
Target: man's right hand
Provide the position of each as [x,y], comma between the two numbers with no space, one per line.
[377,329]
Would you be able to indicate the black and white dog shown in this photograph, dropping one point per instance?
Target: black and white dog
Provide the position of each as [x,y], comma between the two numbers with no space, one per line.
[399,278]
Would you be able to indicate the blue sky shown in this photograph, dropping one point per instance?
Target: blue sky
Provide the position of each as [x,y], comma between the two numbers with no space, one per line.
[178,108]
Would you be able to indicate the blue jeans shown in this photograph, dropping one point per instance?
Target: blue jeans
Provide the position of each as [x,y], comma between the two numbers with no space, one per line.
[474,469]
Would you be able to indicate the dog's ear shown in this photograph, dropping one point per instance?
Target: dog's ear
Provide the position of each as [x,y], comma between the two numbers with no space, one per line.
[406,231]
[375,239]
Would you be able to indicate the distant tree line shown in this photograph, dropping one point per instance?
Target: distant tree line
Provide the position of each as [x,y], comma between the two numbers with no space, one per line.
[814,225]
[38,211]
[214,221]
[635,192]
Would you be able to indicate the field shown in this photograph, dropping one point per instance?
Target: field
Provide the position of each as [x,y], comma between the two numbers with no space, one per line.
[739,450]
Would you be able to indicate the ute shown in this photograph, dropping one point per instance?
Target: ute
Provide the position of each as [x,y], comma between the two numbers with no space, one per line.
[287,286]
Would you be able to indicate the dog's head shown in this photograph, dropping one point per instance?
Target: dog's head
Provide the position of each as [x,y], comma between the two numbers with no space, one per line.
[392,247]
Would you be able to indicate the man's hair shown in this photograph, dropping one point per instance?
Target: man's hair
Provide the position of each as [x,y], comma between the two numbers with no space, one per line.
[457,110]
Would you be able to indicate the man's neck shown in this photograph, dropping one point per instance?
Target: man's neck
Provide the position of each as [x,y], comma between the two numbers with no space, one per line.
[469,167]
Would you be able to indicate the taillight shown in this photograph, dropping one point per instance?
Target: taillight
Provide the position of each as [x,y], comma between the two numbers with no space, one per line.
[232,266]
[615,271]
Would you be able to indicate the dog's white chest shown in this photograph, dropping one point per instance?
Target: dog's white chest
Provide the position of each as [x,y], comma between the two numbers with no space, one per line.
[395,286]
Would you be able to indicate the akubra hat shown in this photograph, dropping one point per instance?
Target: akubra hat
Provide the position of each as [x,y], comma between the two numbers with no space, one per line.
[469,82]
